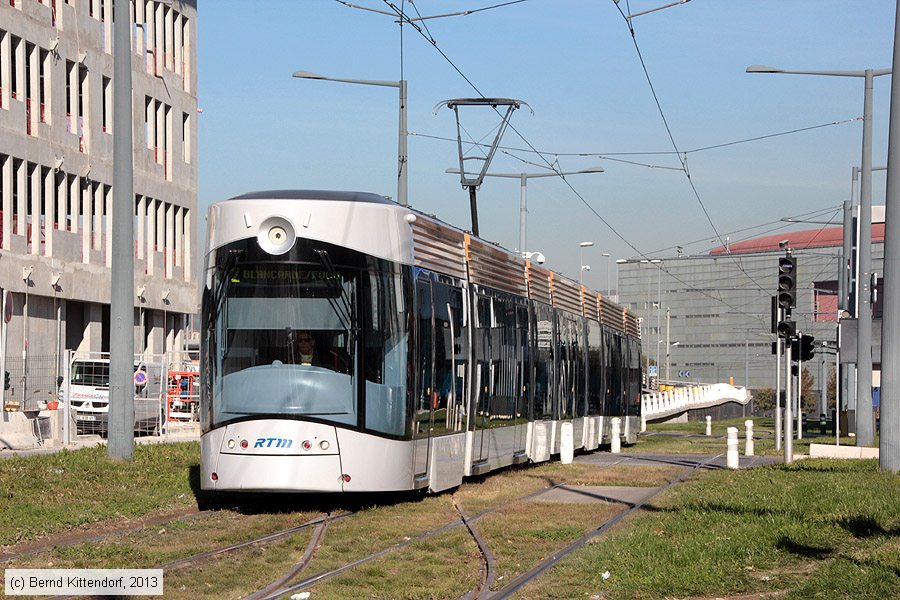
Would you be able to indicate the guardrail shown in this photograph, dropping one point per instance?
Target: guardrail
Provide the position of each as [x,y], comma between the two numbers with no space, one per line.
[661,405]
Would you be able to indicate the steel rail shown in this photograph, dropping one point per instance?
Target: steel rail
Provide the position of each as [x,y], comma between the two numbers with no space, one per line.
[320,577]
[487,557]
[51,544]
[516,584]
[311,547]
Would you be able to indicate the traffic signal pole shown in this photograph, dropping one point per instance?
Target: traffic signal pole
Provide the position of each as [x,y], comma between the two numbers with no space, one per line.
[800,388]
[778,346]
[787,330]
[788,400]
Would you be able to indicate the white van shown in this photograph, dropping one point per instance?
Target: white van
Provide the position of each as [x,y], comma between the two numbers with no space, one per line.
[88,393]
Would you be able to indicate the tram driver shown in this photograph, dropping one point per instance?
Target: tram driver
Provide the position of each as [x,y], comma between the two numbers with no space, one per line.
[303,351]
[305,348]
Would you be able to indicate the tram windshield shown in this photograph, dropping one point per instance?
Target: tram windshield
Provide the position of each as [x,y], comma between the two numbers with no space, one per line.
[299,338]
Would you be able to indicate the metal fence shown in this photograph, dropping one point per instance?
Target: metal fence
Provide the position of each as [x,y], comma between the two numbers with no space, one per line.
[77,384]
[33,383]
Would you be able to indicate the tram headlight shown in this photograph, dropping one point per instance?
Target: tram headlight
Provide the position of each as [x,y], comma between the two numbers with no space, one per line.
[324,445]
[276,235]
[230,444]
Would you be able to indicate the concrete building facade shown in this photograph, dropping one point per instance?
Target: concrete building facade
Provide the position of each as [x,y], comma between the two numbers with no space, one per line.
[712,312]
[56,174]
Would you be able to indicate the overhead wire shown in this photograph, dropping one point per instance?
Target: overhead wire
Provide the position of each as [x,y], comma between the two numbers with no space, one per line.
[782,226]
[681,158]
[403,16]
[610,155]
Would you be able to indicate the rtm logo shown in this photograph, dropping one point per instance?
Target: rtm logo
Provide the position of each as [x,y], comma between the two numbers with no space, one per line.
[273,442]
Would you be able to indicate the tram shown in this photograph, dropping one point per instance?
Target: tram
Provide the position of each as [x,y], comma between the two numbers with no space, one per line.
[350,344]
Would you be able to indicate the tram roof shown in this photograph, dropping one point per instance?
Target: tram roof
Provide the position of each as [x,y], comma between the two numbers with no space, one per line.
[315,195]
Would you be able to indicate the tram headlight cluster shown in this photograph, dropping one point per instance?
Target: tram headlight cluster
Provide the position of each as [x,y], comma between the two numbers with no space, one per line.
[306,444]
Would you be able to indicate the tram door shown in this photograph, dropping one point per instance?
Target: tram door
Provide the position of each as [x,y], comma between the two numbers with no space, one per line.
[423,415]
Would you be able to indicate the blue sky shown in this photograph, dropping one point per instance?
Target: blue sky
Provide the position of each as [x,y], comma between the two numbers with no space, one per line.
[574,62]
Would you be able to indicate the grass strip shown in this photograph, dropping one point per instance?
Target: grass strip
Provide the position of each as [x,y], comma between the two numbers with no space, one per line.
[380,527]
[445,566]
[50,493]
[237,574]
[524,534]
[820,529]
[156,546]
[655,441]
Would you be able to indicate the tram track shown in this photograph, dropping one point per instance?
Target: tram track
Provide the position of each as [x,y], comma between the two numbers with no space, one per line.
[38,546]
[283,585]
[522,580]
[318,522]
[265,539]
[314,542]
[487,557]
[326,575]
[480,593]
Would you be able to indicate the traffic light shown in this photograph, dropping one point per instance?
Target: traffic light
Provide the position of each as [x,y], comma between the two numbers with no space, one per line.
[786,329]
[802,347]
[6,381]
[807,350]
[787,283]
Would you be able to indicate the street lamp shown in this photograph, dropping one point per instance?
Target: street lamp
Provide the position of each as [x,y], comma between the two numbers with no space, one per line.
[619,261]
[865,419]
[606,254]
[584,267]
[402,172]
[523,196]
[668,350]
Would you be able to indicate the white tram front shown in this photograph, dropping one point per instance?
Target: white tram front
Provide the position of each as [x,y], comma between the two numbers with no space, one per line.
[352,344]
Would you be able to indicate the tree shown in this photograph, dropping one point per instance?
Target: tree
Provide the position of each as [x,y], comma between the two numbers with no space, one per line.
[807,398]
[832,388]
[764,399]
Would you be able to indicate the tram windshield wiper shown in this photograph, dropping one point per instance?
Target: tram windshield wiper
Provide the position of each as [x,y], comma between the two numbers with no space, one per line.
[220,297]
[344,310]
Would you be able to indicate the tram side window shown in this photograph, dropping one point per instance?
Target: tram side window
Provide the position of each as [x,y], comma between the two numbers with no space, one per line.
[580,358]
[460,320]
[595,370]
[523,344]
[565,365]
[504,358]
[387,350]
[634,377]
[448,394]
[543,361]
[613,358]
[484,370]
[422,417]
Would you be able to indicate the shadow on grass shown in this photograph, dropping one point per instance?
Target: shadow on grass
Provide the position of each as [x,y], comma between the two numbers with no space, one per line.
[252,503]
[788,545]
[866,527]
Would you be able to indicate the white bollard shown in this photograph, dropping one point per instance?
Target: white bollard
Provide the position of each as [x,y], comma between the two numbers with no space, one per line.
[643,423]
[616,441]
[708,425]
[748,450]
[731,454]
[566,443]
